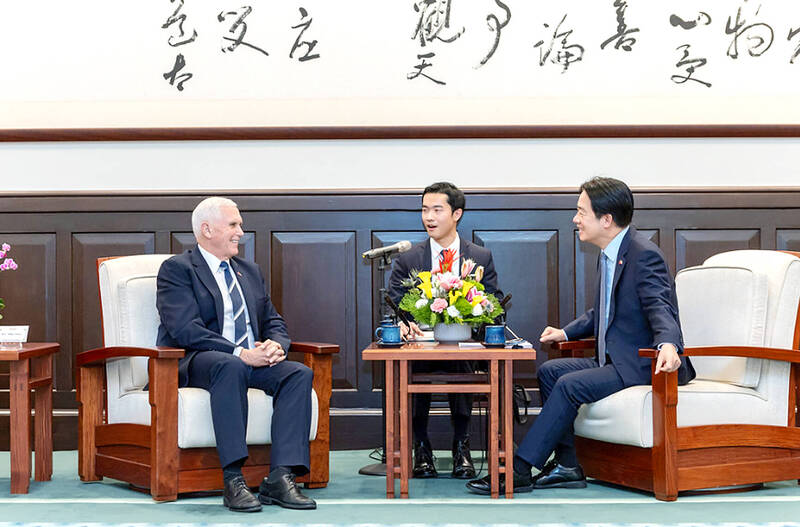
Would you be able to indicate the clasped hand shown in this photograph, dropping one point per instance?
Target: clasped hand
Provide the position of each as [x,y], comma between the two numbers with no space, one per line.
[268,353]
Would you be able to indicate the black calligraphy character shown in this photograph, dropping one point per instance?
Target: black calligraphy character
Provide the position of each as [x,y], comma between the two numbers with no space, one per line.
[496,26]
[178,18]
[702,18]
[240,26]
[564,56]
[621,37]
[760,35]
[793,33]
[422,66]
[297,43]
[172,76]
[434,16]
[691,66]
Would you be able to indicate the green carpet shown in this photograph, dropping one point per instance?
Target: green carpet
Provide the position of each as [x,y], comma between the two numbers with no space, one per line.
[351,499]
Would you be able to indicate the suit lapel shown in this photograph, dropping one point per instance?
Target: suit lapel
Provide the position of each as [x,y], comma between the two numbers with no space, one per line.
[425,265]
[619,266]
[204,273]
[249,299]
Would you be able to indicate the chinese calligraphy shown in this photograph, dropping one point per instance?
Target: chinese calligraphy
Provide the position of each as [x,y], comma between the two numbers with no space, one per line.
[759,35]
[622,39]
[305,24]
[566,54]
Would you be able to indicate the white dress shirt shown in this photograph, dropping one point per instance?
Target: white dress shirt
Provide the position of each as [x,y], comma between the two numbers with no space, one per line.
[228,328]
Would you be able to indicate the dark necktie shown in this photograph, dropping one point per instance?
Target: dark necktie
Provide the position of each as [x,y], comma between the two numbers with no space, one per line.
[601,333]
[239,320]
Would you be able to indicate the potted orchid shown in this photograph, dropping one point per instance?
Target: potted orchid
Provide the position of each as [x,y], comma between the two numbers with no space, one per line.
[450,302]
[7,264]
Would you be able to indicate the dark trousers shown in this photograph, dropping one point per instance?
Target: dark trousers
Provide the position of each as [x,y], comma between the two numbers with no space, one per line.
[460,403]
[227,378]
[565,384]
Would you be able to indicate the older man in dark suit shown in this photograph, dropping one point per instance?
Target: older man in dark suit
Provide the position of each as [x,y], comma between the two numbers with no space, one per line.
[216,307]
[442,207]
[636,307]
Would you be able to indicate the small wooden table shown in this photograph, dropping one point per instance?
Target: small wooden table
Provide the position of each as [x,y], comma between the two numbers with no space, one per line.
[31,369]
[398,394]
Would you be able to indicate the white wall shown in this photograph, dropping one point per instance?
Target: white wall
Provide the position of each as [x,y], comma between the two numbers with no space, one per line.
[402,164]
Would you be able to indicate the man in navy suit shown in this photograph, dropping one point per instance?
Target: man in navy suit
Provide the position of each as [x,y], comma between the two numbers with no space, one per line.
[636,307]
[215,306]
[442,207]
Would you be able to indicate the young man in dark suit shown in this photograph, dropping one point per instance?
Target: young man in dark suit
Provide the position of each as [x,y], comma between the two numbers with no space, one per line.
[636,307]
[442,208]
[216,307]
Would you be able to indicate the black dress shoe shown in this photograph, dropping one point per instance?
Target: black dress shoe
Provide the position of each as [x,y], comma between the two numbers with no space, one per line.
[555,476]
[423,460]
[462,460]
[522,483]
[284,492]
[238,498]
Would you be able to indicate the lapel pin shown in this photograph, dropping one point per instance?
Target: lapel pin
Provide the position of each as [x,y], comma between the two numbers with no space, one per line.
[240,274]
[620,262]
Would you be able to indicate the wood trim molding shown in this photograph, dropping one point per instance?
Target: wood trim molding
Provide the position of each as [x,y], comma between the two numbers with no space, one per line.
[397,132]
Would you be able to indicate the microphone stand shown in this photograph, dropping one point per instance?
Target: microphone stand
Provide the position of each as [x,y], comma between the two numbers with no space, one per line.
[379,469]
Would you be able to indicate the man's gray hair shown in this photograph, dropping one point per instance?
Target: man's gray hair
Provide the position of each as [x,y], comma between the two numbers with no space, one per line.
[208,210]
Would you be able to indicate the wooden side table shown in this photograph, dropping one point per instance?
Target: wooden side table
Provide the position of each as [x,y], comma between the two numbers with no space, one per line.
[399,386]
[31,369]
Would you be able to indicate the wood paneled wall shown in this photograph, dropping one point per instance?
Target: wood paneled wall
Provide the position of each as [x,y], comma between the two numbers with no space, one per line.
[309,247]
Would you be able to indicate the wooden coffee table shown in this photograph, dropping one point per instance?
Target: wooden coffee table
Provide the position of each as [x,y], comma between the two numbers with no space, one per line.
[399,386]
[31,368]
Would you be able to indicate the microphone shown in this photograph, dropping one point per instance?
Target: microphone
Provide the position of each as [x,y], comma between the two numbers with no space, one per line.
[397,311]
[399,247]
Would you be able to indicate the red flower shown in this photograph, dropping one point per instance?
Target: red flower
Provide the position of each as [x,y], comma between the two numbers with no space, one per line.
[446,258]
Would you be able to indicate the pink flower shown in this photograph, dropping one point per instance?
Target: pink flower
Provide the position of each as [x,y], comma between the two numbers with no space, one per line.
[2,254]
[8,265]
[472,293]
[466,267]
[438,305]
[449,281]
[6,247]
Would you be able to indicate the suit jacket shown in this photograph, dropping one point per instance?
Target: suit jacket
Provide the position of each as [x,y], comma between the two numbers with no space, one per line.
[191,310]
[643,311]
[419,258]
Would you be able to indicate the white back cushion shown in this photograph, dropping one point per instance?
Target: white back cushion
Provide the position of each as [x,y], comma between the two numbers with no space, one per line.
[723,306]
[130,317]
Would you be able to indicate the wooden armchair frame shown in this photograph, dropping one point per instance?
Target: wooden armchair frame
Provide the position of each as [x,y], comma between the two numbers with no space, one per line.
[148,456]
[698,457]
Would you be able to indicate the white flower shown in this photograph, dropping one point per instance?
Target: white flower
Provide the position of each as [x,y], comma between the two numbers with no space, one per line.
[477,310]
[422,302]
[453,312]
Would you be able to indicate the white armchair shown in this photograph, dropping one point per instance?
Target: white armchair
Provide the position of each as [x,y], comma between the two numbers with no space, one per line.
[151,433]
[736,423]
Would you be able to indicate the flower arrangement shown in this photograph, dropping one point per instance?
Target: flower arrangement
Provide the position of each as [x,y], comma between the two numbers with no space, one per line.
[7,264]
[448,297]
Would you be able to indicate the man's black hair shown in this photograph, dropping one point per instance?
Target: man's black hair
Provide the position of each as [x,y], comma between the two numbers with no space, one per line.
[610,196]
[455,197]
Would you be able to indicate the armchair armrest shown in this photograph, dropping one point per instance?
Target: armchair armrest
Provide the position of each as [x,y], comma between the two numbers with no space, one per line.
[756,352]
[573,348]
[315,348]
[99,356]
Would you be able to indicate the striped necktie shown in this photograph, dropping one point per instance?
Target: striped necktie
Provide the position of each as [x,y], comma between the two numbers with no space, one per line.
[239,320]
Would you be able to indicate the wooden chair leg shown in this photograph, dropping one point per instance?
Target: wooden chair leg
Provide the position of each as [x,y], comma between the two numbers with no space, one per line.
[163,429]
[665,432]
[319,467]
[90,416]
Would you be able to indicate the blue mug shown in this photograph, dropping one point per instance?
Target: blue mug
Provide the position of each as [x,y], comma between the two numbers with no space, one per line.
[495,334]
[388,334]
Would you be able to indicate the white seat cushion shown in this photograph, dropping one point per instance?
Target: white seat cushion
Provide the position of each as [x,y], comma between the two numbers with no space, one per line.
[195,428]
[626,417]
